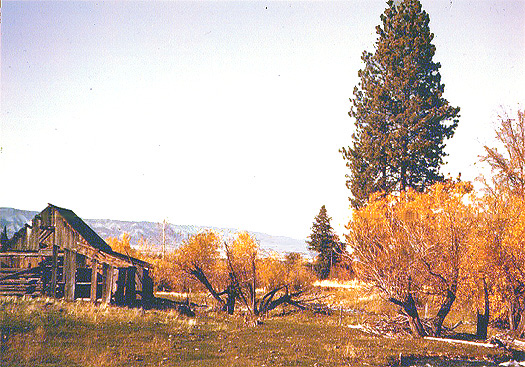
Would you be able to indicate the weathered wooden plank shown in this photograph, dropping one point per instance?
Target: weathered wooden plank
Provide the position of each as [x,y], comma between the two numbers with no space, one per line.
[66,268]
[10,270]
[19,273]
[21,254]
[93,290]
[20,291]
[147,288]
[20,281]
[73,276]
[70,275]
[17,286]
[107,273]
[54,272]
[139,276]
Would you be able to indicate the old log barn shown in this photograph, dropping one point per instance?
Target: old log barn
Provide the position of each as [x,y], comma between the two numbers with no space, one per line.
[59,255]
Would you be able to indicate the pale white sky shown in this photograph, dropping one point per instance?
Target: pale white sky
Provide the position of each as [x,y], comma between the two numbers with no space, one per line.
[226,114]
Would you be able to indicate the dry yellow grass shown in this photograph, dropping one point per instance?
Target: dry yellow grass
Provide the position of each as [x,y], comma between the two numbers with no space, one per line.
[47,332]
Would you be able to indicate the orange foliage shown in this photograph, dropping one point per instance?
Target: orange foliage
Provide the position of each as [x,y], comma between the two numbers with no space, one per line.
[123,246]
[293,272]
[410,245]
[499,253]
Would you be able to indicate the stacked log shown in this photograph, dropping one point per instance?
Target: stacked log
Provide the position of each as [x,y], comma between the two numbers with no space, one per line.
[14,282]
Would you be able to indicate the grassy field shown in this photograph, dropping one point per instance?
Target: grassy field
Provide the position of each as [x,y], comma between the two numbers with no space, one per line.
[47,332]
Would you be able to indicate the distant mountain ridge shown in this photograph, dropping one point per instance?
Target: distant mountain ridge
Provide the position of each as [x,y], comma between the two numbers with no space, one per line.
[14,219]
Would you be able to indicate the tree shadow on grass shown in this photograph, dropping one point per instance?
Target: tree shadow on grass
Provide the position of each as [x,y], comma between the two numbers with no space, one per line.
[425,361]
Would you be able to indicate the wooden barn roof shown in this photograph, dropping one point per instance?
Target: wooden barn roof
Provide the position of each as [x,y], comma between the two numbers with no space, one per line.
[83,229]
[92,237]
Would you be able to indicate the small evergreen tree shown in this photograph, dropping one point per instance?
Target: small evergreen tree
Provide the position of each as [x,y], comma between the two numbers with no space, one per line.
[400,114]
[4,240]
[324,241]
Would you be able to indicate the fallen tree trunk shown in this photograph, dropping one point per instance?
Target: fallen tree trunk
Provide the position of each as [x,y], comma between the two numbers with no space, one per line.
[457,341]
[268,303]
[509,343]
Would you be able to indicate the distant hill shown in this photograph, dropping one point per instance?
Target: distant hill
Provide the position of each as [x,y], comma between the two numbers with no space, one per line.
[14,219]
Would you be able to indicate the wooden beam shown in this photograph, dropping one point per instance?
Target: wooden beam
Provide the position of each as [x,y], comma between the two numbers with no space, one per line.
[139,277]
[65,265]
[107,290]
[94,272]
[54,272]
[22,254]
[147,288]
[45,277]
[70,275]
[17,274]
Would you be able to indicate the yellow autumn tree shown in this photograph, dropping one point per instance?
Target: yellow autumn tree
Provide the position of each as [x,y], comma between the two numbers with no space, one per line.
[168,277]
[508,162]
[299,275]
[246,265]
[502,211]
[503,231]
[410,245]
[477,279]
[242,256]
[292,271]
[199,257]
[123,246]
[272,271]
[237,274]
[444,230]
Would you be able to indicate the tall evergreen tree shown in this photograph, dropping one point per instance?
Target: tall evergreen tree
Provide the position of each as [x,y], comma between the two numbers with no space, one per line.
[324,241]
[401,116]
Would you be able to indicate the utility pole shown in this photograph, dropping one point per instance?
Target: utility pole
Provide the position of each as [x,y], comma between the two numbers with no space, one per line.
[164,238]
